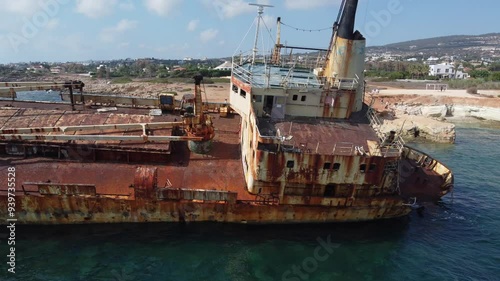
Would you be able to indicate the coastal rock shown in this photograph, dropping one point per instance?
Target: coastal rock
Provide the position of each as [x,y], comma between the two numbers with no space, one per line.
[486,113]
[413,127]
[434,111]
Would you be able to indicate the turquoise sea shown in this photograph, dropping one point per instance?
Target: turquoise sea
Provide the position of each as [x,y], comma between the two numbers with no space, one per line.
[455,239]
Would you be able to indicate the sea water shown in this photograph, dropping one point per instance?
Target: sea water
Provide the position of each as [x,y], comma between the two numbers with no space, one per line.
[455,239]
[44,96]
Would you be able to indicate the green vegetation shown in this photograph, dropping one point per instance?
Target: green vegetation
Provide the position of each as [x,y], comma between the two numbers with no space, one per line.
[121,80]
[477,83]
[397,70]
[220,80]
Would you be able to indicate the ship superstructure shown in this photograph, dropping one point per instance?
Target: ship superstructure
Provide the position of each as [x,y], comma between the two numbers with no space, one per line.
[306,138]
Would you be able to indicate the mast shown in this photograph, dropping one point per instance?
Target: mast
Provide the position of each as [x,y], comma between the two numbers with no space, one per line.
[277,48]
[260,11]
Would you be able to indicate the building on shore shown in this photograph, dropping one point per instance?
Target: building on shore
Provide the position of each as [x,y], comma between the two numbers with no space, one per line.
[446,70]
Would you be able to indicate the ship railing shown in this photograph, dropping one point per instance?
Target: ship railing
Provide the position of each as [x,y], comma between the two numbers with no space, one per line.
[343,148]
[242,74]
[392,149]
[346,83]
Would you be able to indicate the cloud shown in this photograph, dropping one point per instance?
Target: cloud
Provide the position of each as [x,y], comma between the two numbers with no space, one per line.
[22,7]
[309,4]
[162,7]
[208,35]
[95,8]
[127,6]
[110,33]
[192,25]
[232,8]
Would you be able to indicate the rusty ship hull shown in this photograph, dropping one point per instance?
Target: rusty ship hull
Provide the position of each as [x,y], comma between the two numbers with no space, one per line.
[293,145]
[81,182]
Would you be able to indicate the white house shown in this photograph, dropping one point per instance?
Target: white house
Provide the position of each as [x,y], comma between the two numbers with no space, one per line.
[227,65]
[446,70]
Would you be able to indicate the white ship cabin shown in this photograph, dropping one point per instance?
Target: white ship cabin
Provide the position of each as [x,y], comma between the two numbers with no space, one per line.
[277,92]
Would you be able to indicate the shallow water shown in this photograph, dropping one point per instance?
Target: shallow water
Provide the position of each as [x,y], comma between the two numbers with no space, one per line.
[456,239]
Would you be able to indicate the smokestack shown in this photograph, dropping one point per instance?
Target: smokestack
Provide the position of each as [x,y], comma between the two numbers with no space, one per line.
[346,25]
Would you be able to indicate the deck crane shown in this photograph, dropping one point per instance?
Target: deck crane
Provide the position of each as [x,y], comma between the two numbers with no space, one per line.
[10,89]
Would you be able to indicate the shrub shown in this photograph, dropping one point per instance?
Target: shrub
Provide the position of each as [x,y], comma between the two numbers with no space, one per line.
[472,90]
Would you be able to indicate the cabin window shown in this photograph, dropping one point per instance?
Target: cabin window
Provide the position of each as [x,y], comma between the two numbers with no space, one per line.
[362,168]
[336,166]
[372,168]
[290,164]
[327,166]
[295,97]
[243,93]
[257,98]
[235,88]
[303,98]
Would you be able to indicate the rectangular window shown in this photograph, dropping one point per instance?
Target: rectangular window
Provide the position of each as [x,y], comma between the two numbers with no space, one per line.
[303,98]
[235,88]
[327,166]
[447,70]
[257,98]
[439,70]
[362,168]
[243,93]
[290,164]
[336,166]
[295,97]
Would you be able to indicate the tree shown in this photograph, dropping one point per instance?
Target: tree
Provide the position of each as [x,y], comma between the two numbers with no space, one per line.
[495,76]
[456,65]
[480,74]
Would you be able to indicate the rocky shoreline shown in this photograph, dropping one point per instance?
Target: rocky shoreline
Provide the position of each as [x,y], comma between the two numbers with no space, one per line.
[433,118]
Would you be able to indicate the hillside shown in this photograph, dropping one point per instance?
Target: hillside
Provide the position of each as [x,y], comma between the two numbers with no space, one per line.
[486,45]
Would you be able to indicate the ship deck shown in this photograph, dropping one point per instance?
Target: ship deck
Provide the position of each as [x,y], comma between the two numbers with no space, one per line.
[221,169]
[321,135]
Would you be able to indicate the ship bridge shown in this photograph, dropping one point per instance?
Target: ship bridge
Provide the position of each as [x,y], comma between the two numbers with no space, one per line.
[272,76]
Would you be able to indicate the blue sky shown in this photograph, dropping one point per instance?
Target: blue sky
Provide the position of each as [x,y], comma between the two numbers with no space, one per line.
[77,30]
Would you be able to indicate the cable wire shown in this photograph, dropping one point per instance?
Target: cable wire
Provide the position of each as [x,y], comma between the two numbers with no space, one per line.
[306,30]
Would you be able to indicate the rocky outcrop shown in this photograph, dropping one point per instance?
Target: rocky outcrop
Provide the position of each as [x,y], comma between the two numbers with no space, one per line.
[459,111]
[413,127]
[483,113]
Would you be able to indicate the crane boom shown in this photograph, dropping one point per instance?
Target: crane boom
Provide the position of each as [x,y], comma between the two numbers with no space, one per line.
[10,89]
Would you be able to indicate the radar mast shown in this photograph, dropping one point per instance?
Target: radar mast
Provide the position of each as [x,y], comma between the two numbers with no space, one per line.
[260,11]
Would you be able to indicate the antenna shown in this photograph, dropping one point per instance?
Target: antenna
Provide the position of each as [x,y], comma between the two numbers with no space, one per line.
[259,18]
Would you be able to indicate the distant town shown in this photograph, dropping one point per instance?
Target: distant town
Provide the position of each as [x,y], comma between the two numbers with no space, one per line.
[475,59]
